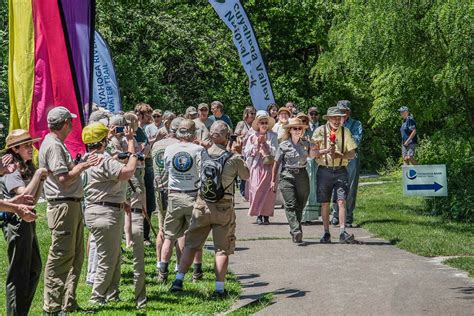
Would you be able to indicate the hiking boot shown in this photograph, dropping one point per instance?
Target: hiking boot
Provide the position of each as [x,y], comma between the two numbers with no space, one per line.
[176,286]
[259,220]
[220,295]
[326,239]
[335,221]
[346,238]
[197,276]
[298,237]
[162,277]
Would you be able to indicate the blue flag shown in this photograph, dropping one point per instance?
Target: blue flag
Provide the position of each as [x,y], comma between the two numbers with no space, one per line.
[106,92]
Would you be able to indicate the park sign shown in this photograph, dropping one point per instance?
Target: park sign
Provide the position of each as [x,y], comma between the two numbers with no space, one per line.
[234,16]
[425,180]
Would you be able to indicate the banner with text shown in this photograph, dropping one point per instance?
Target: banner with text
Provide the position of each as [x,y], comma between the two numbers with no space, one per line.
[106,92]
[234,16]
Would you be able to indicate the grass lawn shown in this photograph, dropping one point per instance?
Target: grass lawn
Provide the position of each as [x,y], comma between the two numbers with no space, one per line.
[196,299]
[386,212]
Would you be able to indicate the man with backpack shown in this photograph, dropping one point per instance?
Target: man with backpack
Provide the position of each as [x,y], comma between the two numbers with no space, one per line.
[214,208]
[182,164]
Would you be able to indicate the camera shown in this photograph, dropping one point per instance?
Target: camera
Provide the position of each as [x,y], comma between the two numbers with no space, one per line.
[125,155]
[119,129]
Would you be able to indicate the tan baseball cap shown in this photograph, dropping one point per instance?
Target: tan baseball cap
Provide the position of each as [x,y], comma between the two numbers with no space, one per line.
[59,114]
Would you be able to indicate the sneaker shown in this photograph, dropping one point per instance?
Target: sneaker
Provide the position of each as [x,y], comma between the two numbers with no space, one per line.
[259,220]
[162,277]
[298,237]
[97,302]
[335,221]
[346,238]
[176,286]
[218,295]
[349,225]
[326,239]
[266,220]
[197,276]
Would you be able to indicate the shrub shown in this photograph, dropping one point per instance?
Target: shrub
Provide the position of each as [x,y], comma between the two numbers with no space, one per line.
[454,149]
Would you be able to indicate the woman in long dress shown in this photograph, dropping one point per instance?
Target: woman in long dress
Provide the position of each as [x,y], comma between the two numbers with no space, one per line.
[260,151]
[312,210]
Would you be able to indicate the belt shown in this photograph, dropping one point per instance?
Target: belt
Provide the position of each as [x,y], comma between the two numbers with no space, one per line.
[294,170]
[333,168]
[183,191]
[117,205]
[136,210]
[65,199]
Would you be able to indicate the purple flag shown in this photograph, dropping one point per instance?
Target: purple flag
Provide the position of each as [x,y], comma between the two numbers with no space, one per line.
[78,21]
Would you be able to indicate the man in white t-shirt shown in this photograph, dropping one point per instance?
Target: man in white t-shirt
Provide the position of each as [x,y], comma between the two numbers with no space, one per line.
[182,163]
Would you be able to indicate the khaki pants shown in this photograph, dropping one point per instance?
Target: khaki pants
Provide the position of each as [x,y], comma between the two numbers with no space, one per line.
[105,223]
[138,260]
[66,254]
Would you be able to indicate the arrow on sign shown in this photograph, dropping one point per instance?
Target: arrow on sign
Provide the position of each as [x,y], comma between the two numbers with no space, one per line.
[435,186]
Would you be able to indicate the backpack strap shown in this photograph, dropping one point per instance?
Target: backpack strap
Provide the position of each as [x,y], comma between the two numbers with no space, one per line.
[342,147]
[227,155]
[326,143]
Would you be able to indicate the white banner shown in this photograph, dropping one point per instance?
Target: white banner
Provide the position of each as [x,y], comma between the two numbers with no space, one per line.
[234,16]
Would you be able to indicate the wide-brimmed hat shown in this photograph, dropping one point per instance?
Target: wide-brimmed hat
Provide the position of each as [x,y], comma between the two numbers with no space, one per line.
[283,109]
[18,137]
[295,122]
[334,111]
[263,115]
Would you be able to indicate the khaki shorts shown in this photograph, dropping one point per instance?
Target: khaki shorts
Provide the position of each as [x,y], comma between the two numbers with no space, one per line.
[178,216]
[220,217]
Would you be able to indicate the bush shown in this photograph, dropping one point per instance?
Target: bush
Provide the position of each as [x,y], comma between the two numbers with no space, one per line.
[455,150]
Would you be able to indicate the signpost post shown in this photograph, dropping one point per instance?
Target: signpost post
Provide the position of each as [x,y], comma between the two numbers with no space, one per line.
[425,180]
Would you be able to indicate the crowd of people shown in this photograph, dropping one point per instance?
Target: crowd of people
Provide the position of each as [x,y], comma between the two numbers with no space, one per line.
[182,168]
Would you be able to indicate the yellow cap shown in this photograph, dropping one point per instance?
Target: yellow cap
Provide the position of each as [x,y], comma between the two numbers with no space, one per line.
[94,133]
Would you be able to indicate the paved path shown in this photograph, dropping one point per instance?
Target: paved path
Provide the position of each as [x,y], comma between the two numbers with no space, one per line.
[373,278]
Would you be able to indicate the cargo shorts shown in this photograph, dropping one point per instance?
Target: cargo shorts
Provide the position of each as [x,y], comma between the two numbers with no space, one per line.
[408,150]
[218,217]
[178,215]
[331,180]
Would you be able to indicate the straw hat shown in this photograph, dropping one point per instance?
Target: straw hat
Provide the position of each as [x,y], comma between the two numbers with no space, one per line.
[263,115]
[294,122]
[283,109]
[18,137]
[301,115]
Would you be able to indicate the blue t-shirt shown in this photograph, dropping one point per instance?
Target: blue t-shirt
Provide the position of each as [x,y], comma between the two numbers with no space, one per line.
[408,126]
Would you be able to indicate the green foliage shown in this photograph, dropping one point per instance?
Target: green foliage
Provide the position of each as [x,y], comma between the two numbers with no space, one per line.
[452,148]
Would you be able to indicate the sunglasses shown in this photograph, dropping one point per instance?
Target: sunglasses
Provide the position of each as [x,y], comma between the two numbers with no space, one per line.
[297,128]
[203,109]
[264,123]
[156,116]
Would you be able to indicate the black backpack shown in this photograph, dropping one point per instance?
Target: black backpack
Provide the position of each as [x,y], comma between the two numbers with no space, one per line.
[211,178]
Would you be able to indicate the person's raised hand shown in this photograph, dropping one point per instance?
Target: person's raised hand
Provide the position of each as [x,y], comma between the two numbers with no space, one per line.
[7,165]
[128,132]
[22,199]
[25,212]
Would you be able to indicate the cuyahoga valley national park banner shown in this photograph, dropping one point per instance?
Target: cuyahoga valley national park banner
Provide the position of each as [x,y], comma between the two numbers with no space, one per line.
[105,89]
[234,16]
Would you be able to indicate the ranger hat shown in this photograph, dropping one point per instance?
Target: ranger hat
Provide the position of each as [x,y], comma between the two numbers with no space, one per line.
[295,122]
[94,133]
[59,114]
[186,128]
[18,137]
[334,111]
